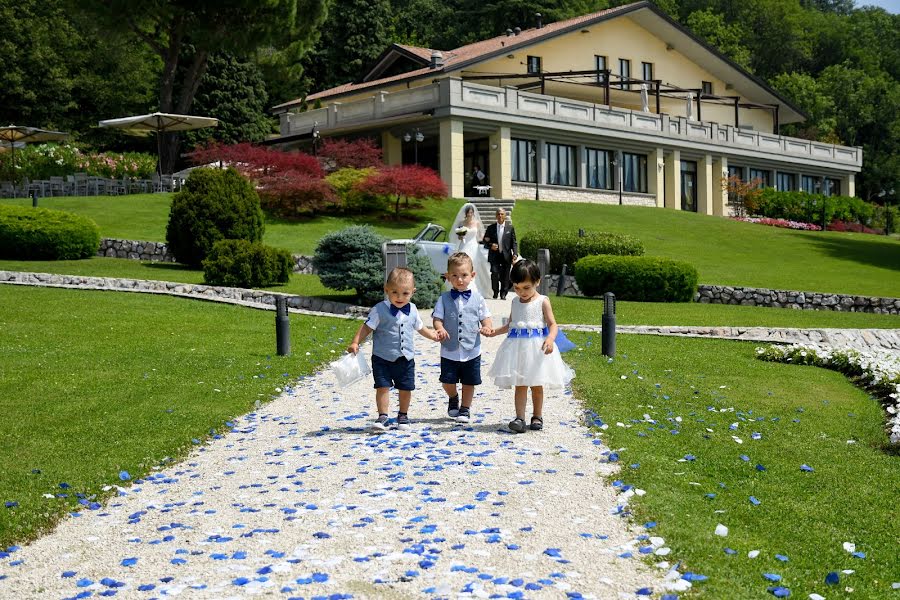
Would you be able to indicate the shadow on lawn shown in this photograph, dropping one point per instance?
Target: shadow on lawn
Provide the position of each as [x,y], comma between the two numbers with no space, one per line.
[869,250]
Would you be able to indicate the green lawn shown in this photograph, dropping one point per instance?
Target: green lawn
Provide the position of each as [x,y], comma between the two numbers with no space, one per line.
[144,217]
[729,252]
[693,391]
[90,394]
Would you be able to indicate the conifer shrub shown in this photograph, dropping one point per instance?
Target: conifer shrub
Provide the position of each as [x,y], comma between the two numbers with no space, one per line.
[43,234]
[214,205]
[241,263]
[637,278]
[351,259]
[566,247]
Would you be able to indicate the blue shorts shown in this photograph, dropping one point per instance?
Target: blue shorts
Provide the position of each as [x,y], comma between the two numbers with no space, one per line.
[467,373]
[400,373]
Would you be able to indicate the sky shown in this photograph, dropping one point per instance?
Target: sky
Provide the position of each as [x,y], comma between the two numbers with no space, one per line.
[892,6]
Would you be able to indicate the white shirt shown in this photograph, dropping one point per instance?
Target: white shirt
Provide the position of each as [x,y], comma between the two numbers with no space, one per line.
[460,354]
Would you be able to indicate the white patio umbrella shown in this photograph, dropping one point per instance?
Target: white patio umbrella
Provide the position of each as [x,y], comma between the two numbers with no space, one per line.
[689,108]
[159,123]
[14,136]
[645,98]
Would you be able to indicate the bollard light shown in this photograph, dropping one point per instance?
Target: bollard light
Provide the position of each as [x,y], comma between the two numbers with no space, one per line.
[561,284]
[608,324]
[543,263]
[282,327]
[34,199]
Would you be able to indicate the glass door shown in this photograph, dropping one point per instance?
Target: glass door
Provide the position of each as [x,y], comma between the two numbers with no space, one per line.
[689,185]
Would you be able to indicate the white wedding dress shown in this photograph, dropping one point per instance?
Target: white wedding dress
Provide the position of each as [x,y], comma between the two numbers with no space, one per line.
[471,245]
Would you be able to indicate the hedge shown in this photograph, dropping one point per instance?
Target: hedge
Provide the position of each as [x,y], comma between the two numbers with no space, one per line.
[44,234]
[637,278]
[808,208]
[241,263]
[566,247]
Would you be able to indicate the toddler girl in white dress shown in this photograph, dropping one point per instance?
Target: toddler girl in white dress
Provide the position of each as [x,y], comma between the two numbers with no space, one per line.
[529,357]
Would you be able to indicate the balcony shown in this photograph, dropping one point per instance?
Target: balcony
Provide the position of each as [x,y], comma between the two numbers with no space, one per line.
[453,97]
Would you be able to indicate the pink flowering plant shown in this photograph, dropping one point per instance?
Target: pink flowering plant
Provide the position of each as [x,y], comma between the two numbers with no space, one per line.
[42,161]
[783,223]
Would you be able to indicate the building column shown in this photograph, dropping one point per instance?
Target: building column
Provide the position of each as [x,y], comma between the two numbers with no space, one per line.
[501,163]
[452,165]
[673,180]
[656,162]
[391,149]
[705,185]
[719,193]
[848,185]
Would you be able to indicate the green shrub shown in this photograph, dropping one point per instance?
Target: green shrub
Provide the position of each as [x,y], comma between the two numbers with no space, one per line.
[43,234]
[808,208]
[214,205]
[637,278]
[239,263]
[350,259]
[566,247]
[352,200]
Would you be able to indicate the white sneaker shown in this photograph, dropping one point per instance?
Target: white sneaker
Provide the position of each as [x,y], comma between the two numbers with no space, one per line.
[380,425]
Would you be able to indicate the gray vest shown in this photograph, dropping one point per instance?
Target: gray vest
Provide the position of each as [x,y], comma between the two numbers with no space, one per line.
[463,326]
[392,339]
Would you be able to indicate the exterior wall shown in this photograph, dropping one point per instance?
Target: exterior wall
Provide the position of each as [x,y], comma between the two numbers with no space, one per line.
[501,167]
[623,38]
[567,194]
[452,171]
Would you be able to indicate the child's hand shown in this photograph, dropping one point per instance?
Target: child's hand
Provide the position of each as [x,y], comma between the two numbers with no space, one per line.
[487,331]
[547,347]
[440,335]
[353,348]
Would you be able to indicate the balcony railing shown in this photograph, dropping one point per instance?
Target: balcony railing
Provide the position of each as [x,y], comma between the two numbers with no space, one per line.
[454,96]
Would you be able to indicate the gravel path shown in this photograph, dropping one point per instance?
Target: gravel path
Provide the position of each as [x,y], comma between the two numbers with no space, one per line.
[298,501]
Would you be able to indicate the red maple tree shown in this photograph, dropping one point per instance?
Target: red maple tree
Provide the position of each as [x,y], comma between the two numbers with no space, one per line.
[405,181]
[337,154]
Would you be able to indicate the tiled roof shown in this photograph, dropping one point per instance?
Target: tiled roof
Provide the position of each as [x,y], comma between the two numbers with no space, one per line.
[470,52]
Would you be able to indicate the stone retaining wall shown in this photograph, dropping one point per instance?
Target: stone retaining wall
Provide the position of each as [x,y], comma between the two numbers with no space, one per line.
[159,251]
[569,194]
[747,296]
[252,298]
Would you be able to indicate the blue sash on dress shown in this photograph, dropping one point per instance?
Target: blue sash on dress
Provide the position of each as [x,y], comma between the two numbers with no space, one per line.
[529,332]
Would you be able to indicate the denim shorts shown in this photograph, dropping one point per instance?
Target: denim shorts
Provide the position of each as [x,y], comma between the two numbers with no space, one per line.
[400,374]
[467,373]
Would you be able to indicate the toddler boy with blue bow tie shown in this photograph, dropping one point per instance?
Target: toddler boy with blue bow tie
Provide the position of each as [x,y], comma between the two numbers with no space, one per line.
[460,317]
[393,322]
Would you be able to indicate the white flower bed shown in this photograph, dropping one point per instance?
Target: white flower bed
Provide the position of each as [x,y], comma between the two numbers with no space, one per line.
[877,372]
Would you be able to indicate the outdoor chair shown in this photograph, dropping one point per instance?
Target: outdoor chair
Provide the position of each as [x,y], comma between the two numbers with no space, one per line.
[8,190]
[96,186]
[81,184]
[57,186]
[40,186]
[116,187]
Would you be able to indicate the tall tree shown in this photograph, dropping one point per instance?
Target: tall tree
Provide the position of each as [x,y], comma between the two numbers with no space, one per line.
[726,38]
[184,33]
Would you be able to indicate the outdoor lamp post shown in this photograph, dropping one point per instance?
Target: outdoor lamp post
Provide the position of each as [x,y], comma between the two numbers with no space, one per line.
[316,136]
[619,165]
[418,136]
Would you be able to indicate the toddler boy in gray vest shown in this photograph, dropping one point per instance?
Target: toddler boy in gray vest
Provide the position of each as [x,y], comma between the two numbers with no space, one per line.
[393,322]
[460,317]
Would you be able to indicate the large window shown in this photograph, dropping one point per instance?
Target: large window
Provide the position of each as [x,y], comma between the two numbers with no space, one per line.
[523,159]
[534,64]
[647,71]
[625,73]
[762,175]
[832,187]
[706,87]
[601,65]
[689,185]
[599,169]
[561,164]
[634,172]
[785,182]
[808,184]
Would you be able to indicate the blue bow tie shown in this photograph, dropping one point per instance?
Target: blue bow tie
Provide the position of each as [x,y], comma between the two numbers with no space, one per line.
[395,310]
[466,294]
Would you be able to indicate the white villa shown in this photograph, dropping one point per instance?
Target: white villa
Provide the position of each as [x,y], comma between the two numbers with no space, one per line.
[620,106]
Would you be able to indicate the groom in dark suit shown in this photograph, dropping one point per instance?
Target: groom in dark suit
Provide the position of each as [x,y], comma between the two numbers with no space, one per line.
[500,240]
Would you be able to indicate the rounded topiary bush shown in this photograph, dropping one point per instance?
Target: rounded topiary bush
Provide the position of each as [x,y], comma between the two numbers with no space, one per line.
[240,263]
[637,278]
[214,205]
[350,259]
[566,247]
[43,234]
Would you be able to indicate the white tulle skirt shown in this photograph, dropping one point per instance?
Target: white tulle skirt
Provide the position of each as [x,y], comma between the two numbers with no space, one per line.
[520,361]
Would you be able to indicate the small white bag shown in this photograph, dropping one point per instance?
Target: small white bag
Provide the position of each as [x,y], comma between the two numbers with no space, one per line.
[350,368]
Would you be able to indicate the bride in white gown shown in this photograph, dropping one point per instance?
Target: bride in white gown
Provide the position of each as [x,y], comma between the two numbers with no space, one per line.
[469,218]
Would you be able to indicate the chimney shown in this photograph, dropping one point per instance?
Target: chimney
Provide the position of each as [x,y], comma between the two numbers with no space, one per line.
[437,59]
[517,31]
[509,32]
[540,23]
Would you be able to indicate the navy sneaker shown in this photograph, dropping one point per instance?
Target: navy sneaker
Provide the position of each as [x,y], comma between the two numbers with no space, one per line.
[402,422]
[464,416]
[453,407]
[380,425]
